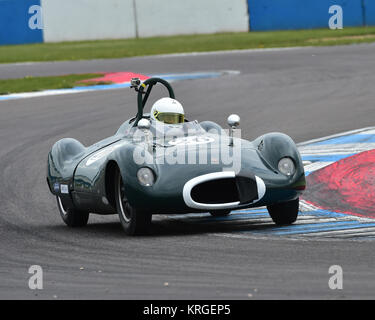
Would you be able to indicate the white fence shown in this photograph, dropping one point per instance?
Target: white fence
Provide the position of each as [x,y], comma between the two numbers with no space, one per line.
[169,17]
[71,20]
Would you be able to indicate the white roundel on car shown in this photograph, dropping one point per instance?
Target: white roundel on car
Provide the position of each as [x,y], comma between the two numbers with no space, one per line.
[192,140]
[101,153]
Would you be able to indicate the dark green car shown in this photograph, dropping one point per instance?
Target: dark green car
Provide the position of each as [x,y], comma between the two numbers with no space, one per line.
[147,168]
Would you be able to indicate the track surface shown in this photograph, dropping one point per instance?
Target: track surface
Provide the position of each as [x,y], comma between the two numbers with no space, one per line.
[306,93]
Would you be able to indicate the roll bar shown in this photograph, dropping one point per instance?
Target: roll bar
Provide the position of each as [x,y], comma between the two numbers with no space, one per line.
[149,83]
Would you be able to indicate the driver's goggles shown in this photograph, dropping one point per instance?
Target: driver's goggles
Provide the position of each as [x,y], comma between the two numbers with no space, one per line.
[170,117]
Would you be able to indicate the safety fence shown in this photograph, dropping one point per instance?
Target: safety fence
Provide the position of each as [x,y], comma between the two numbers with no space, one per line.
[32,21]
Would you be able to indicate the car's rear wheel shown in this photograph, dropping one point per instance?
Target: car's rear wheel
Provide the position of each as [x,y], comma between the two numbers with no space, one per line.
[284,213]
[220,213]
[71,216]
[133,221]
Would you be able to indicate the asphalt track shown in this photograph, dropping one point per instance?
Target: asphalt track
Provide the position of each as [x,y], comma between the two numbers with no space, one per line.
[306,93]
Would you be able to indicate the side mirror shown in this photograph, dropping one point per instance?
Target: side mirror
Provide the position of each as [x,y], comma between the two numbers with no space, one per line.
[233,122]
[144,124]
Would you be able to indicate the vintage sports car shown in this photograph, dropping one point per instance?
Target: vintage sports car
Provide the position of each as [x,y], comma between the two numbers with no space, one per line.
[150,168]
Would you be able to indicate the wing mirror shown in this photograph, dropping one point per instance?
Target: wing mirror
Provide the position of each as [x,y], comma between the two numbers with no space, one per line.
[144,124]
[233,122]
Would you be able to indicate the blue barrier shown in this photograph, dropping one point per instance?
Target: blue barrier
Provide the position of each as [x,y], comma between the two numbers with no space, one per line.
[369,12]
[17,25]
[20,20]
[304,14]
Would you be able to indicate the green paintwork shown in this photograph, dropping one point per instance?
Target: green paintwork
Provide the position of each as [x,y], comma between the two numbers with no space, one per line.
[88,172]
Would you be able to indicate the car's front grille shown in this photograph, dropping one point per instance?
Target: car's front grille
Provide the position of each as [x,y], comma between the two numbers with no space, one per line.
[216,191]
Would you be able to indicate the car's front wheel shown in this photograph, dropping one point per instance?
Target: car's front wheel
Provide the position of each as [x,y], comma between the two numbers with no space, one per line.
[133,221]
[284,213]
[72,217]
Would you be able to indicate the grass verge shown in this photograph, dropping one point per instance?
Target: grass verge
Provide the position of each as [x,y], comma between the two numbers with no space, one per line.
[105,49]
[29,84]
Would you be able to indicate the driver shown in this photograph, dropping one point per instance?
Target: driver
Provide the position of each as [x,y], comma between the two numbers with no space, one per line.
[168,110]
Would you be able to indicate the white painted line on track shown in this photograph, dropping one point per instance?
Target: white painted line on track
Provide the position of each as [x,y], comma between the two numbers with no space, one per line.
[345,133]
[347,148]
[345,233]
[224,52]
[317,165]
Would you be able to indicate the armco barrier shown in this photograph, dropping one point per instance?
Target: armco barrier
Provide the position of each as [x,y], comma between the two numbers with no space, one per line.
[303,14]
[19,22]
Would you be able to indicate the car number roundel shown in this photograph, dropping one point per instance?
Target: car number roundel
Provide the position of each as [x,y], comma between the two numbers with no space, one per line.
[190,140]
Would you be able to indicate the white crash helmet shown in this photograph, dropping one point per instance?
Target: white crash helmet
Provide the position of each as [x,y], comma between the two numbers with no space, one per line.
[168,110]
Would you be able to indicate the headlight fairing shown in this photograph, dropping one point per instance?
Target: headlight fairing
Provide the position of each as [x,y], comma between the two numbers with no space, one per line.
[146,177]
[286,166]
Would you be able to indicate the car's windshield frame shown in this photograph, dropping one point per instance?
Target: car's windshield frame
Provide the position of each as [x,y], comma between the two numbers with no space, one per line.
[162,133]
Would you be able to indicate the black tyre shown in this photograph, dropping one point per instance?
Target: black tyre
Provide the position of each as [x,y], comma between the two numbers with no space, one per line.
[133,221]
[72,217]
[220,213]
[284,213]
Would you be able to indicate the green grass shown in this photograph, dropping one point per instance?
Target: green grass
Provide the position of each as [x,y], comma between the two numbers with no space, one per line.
[29,84]
[106,49]
[175,44]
